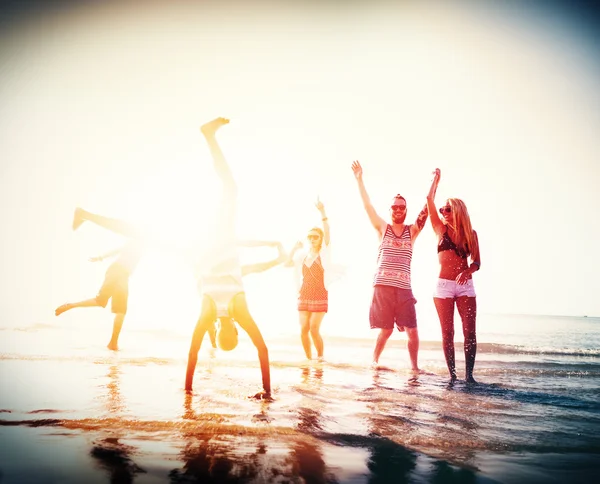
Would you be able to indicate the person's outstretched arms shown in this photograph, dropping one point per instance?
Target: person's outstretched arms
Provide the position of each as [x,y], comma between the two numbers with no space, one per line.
[289,262]
[325,220]
[106,255]
[436,222]
[115,225]
[378,223]
[263,266]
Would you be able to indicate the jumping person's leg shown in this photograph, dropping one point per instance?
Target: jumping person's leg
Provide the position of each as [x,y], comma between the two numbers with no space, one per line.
[87,303]
[445,310]
[113,344]
[208,316]
[119,299]
[101,299]
[241,314]
[467,309]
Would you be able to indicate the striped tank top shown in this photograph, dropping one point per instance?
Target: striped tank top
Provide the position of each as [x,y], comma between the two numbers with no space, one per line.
[393,259]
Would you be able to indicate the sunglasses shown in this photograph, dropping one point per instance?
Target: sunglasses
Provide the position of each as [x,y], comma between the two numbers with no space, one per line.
[312,236]
[398,208]
[445,210]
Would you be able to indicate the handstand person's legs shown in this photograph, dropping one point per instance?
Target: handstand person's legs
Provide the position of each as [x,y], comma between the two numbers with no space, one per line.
[220,163]
[227,207]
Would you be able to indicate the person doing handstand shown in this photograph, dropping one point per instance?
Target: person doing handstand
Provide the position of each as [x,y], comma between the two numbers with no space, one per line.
[221,282]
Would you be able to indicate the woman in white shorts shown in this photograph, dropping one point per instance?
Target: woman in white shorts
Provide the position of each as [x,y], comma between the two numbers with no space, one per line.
[457,242]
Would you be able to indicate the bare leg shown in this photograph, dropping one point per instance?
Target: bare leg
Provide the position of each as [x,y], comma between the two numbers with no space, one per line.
[244,319]
[315,328]
[88,303]
[212,334]
[413,347]
[113,344]
[220,163]
[208,316]
[467,308]
[304,330]
[227,207]
[384,335]
[445,310]
[114,225]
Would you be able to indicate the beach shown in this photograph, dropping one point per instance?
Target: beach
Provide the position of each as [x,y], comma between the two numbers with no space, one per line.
[72,411]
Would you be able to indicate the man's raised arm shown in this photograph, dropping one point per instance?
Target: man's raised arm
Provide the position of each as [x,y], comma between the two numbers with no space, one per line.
[378,223]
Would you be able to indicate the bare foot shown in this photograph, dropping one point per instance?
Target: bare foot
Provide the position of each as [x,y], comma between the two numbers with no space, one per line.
[211,127]
[112,346]
[262,396]
[61,309]
[78,218]
[470,380]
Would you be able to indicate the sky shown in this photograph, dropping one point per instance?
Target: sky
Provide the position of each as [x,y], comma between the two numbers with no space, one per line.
[101,103]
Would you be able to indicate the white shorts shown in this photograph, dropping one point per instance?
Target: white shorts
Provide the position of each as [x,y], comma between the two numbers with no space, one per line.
[447,289]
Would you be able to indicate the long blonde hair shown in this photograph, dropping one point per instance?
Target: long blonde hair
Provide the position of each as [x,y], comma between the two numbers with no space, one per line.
[461,224]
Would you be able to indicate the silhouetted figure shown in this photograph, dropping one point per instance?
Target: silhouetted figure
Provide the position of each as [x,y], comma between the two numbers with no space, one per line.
[220,276]
[116,280]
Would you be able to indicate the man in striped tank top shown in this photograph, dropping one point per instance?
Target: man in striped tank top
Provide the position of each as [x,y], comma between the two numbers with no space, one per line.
[393,301]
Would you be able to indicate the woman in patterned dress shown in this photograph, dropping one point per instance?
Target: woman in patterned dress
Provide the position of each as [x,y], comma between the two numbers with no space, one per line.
[311,278]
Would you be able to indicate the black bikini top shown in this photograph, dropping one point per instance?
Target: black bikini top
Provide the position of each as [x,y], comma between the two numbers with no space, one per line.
[447,244]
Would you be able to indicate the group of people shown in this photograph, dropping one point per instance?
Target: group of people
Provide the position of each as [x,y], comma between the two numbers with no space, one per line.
[220,275]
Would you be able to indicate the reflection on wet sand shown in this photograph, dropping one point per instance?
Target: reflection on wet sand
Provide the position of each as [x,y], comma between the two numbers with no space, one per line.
[115,458]
[301,438]
[406,414]
[216,454]
[108,452]
[114,400]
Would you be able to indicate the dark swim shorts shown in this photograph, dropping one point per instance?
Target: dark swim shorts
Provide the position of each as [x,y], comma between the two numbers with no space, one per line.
[392,305]
[115,287]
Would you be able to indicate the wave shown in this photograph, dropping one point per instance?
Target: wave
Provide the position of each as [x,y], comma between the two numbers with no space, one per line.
[506,349]
[349,342]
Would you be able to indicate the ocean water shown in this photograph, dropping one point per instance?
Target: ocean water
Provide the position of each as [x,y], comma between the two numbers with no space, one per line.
[72,411]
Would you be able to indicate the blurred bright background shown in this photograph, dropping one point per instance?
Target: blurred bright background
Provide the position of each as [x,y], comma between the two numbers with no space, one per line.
[100,105]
